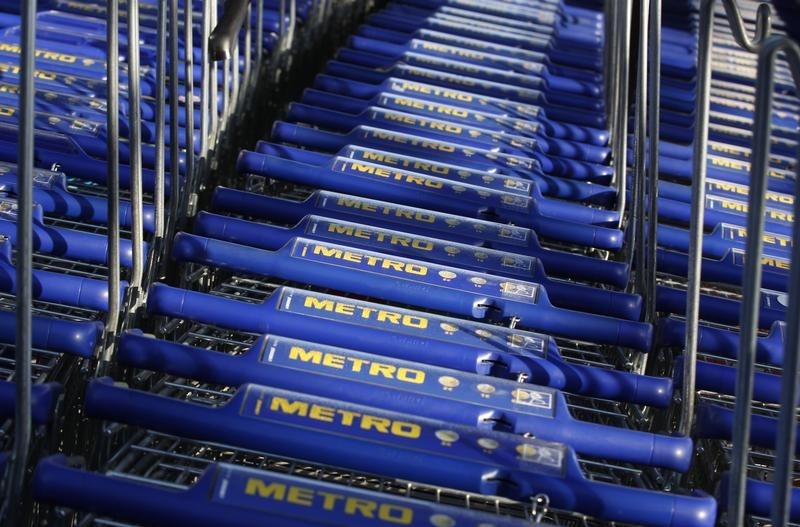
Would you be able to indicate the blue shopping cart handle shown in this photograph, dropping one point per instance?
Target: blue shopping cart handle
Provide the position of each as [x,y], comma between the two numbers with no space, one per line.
[719,210]
[562,120]
[549,156]
[494,114]
[758,497]
[78,115]
[670,331]
[726,170]
[716,422]
[450,161]
[53,334]
[58,288]
[561,29]
[721,378]
[467,293]
[43,401]
[729,269]
[536,188]
[436,150]
[59,241]
[51,193]
[62,153]
[87,93]
[722,238]
[538,62]
[723,310]
[468,346]
[474,84]
[224,495]
[527,134]
[438,393]
[724,189]
[576,57]
[414,451]
[90,136]
[556,58]
[480,233]
[536,15]
[557,158]
[401,186]
[569,295]
[536,78]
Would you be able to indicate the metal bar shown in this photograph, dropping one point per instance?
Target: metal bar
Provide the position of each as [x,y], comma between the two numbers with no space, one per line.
[135,142]
[214,101]
[225,35]
[205,89]
[248,49]
[259,33]
[620,125]
[640,150]
[292,24]
[767,55]
[236,74]
[174,99]
[226,95]
[112,178]
[188,38]
[698,190]
[653,133]
[282,24]
[23,353]
[161,74]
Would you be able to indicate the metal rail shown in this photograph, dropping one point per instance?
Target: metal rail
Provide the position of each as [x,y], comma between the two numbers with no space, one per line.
[135,122]
[767,55]
[24,267]
[620,66]
[699,162]
[112,177]
[653,133]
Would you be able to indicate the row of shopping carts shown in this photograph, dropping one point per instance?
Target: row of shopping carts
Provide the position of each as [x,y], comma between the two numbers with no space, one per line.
[471,275]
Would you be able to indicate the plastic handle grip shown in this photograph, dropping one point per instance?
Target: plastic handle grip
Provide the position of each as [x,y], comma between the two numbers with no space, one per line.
[571,491]
[323,117]
[43,400]
[758,497]
[378,47]
[471,204]
[568,85]
[54,287]
[63,336]
[294,134]
[541,316]
[341,103]
[348,87]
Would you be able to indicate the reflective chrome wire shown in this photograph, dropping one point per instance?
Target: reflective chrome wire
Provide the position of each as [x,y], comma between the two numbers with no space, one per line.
[135,143]
[112,177]
[24,269]
[620,124]
[787,423]
[161,75]
[653,134]
[698,187]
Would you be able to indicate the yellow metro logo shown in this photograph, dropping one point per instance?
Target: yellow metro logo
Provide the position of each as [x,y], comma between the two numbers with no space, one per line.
[328,501]
[384,210]
[433,90]
[366,313]
[378,262]
[349,418]
[378,236]
[388,173]
[338,361]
